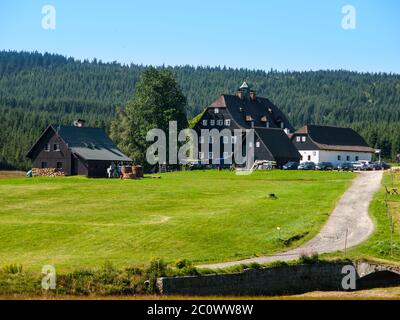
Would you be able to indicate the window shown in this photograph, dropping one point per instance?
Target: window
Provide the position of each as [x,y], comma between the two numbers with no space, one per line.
[298,139]
[303,139]
[309,158]
[212,122]
[225,140]
[347,158]
[357,158]
[339,157]
[47,147]
[204,122]
[220,122]
[216,110]
[258,144]
[233,139]
[56,147]
[228,122]
[210,155]
[59,165]
[44,165]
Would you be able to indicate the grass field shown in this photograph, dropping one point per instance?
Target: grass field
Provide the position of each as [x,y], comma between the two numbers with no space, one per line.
[201,216]
[382,246]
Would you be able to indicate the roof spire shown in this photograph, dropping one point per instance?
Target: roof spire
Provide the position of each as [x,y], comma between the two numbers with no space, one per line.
[244,86]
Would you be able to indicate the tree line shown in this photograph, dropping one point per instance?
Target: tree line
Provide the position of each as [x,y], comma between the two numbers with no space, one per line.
[39,89]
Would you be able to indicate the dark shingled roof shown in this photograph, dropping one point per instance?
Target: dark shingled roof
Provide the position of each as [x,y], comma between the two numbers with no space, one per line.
[90,143]
[277,142]
[257,110]
[335,138]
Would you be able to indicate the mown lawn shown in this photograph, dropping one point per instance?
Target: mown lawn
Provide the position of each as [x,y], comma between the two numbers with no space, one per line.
[382,245]
[203,216]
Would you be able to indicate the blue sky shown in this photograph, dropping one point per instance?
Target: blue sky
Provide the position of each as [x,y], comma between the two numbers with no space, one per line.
[262,34]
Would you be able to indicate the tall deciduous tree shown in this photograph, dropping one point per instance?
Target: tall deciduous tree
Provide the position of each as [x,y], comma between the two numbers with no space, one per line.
[157,100]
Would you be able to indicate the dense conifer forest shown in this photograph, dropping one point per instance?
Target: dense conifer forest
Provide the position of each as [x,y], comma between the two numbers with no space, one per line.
[38,89]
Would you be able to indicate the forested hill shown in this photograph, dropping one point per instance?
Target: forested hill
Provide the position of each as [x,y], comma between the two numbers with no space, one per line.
[39,89]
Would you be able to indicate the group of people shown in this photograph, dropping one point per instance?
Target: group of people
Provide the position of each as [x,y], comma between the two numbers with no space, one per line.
[114,170]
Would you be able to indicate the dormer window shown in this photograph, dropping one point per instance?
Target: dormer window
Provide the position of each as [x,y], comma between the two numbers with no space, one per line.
[216,110]
[249,118]
[227,122]
[205,123]
[303,139]
[264,119]
[220,122]
[298,139]
[212,122]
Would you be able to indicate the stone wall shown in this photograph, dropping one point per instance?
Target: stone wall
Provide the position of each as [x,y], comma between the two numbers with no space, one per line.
[266,281]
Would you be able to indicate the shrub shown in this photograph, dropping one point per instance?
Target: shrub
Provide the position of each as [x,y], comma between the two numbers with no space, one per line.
[309,259]
[12,268]
[158,268]
[182,263]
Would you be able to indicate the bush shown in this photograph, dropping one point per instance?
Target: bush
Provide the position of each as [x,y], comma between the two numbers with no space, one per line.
[13,269]
[309,259]
[158,268]
[182,263]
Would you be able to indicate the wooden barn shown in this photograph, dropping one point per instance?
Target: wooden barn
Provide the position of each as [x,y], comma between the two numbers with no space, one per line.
[76,150]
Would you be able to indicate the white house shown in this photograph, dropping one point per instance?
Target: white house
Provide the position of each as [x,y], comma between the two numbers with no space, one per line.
[331,144]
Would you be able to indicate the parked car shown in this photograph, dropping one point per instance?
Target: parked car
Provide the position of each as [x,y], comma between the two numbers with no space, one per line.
[290,166]
[345,166]
[380,165]
[384,165]
[358,165]
[369,165]
[324,166]
[306,166]
[376,165]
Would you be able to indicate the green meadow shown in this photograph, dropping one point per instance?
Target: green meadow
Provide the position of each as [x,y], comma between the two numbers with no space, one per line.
[202,216]
[384,244]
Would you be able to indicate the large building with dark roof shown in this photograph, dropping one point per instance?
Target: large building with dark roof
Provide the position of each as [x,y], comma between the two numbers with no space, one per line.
[331,144]
[245,110]
[76,150]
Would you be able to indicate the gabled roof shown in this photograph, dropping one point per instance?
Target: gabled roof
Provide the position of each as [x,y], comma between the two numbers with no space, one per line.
[259,110]
[335,138]
[88,143]
[277,142]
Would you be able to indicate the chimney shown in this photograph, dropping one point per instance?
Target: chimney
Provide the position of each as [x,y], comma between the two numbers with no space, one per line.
[79,123]
[253,96]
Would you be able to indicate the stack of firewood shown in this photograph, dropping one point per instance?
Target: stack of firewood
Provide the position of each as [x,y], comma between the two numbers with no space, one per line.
[47,172]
